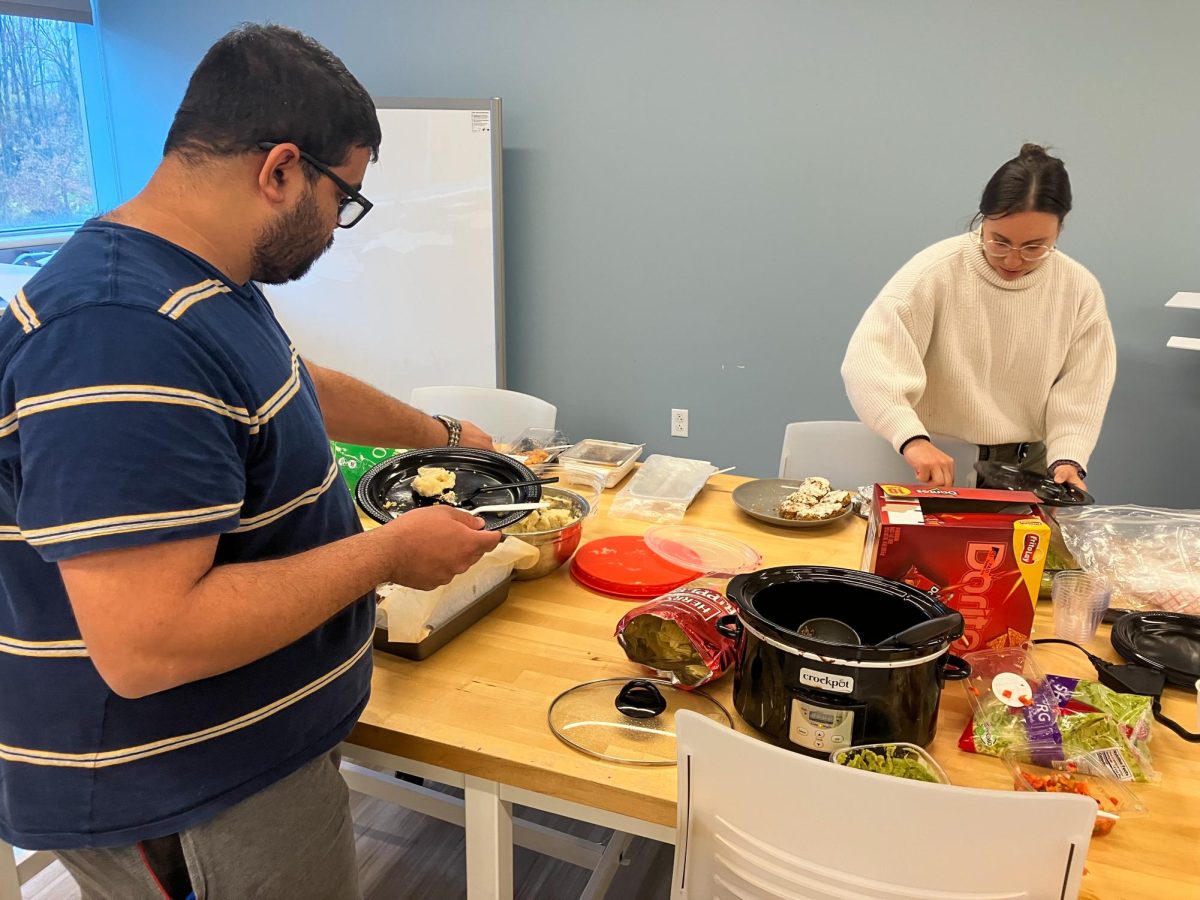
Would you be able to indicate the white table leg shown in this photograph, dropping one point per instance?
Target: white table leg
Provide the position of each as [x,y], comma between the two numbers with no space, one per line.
[10,884]
[489,842]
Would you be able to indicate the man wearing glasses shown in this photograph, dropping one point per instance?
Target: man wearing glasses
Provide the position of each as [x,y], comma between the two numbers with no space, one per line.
[993,337]
[186,594]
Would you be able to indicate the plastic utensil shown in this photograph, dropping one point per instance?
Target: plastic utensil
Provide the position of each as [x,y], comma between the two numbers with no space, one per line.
[1080,601]
[471,495]
[506,507]
[930,629]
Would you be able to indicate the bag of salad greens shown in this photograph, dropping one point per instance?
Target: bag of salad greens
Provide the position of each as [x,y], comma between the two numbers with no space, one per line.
[1054,716]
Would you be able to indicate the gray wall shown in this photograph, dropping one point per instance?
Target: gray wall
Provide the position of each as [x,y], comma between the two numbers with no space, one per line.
[703,196]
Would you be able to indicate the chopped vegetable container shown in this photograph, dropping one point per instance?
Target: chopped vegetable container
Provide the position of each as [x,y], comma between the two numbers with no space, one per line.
[1114,799]
[899,760]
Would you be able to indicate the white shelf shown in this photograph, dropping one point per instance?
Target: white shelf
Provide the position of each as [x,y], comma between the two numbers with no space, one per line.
[1184,343]
[1185,300]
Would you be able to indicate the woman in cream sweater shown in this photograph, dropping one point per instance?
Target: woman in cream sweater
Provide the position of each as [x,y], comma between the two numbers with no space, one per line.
[995,337]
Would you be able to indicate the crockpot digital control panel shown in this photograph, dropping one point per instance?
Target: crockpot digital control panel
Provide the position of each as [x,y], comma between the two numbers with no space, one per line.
[824,729]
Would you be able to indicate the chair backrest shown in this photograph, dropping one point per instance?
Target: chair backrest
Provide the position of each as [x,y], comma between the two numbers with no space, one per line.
[759,821]
[502,414]
[850,455]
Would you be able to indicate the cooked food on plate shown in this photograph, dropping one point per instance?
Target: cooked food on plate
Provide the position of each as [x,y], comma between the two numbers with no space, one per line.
[434,481]
[814,500]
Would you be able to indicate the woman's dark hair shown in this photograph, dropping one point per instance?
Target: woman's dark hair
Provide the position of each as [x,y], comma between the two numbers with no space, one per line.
[1032,181]
[270,83]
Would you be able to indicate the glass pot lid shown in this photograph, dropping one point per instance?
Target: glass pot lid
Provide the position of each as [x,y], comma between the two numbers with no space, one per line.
[625,720]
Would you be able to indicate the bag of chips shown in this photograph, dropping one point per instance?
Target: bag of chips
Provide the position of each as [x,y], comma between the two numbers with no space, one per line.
[676,635]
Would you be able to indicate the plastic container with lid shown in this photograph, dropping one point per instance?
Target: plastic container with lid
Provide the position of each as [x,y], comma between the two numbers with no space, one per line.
[900,760]
[667,557]
[1114,799]
[662,489]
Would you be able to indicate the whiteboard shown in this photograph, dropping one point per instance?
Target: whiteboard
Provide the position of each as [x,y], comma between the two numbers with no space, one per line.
[413,295]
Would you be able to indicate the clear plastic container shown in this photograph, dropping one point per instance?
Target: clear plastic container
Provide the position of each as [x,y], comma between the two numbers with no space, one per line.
[911,756]
[586,482]
[1114,799]
[535,446]
[662,489]
[603,453]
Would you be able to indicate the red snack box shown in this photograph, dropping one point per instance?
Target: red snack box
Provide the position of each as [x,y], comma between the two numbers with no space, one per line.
[980,552]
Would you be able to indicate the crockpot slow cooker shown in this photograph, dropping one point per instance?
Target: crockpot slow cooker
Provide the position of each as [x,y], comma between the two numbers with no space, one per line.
[818,696]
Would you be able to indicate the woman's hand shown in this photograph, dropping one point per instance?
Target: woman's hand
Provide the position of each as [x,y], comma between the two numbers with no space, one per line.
[931,465]
[1068,473]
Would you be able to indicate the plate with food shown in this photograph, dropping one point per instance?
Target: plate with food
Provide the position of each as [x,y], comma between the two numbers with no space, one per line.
[793,502]
[444,475]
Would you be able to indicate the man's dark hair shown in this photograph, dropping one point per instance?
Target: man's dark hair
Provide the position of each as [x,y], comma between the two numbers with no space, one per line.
[270,83]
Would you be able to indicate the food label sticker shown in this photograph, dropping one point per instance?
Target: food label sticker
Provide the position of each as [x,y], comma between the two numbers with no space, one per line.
[1012,690]
[1112,763]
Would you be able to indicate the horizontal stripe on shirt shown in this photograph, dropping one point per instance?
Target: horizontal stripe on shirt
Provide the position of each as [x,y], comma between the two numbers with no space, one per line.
[17,647]
[105,758]
[151,393]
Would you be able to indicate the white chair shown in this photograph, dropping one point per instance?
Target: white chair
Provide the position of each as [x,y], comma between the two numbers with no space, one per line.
[758,821]
[850,454]
[502,414]
[18,867]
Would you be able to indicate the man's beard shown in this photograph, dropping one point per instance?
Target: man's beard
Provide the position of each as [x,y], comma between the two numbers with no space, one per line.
[287,248]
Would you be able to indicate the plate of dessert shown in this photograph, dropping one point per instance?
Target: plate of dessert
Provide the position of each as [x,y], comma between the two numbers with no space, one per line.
[793,502]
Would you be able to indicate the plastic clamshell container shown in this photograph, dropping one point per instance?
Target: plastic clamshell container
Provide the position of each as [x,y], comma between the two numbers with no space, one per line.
[602,453]
[900,750]
[1114,799]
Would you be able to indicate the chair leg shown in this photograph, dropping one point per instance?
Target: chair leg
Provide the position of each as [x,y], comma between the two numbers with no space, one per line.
[10,882]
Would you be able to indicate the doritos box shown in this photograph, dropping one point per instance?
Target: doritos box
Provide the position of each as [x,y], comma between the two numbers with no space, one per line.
[980,552]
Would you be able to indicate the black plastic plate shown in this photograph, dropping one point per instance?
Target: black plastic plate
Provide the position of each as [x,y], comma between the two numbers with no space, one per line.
[384,493]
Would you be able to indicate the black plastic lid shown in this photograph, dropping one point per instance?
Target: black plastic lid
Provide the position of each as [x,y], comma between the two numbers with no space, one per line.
[1007,477]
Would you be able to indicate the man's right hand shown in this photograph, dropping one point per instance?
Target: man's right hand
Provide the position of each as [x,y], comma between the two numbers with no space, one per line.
[931,465]
[435,543]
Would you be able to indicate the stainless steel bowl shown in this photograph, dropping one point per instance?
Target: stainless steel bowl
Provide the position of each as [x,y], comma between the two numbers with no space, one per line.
[556,546]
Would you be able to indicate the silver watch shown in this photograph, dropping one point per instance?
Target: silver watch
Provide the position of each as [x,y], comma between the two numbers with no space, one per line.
[453,429]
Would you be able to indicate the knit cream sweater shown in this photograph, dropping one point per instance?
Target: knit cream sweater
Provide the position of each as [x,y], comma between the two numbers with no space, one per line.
[950,347]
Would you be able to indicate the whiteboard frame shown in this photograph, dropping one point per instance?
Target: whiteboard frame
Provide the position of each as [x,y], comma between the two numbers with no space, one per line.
[493,106]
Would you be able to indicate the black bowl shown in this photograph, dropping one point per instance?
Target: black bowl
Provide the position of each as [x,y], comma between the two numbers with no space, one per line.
[384,493]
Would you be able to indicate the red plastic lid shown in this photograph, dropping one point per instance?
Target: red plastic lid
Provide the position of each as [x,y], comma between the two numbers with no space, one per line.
[625,567]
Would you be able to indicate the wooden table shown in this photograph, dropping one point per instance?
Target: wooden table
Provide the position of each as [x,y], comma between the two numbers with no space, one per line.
[477,710]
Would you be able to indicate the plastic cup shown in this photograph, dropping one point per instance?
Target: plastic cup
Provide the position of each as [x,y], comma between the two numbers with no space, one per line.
[1080,601]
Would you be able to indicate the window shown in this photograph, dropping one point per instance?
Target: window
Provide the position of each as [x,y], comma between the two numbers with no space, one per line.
[55,159]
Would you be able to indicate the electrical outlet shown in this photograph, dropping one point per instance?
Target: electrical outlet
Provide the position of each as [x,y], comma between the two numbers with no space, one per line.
[679,423]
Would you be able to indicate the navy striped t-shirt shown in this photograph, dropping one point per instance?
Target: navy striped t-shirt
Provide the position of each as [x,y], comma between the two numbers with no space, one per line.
[145,398]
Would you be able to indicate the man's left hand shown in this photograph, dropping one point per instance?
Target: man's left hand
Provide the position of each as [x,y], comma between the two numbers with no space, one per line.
[1069,474]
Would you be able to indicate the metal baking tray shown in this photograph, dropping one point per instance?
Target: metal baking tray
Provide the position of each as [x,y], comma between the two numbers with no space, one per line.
[451,629]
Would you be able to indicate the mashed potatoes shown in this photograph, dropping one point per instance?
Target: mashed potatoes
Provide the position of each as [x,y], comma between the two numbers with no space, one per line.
[434,481]
[558,514]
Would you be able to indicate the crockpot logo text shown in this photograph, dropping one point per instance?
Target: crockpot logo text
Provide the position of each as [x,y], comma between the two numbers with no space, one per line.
[839,684]
[982,560]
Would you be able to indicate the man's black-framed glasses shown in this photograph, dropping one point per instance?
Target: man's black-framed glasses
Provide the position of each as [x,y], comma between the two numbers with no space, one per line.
[353,205]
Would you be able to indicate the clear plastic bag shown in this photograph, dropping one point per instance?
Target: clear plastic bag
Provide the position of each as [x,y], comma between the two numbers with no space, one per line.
[1150,556]
[662,489]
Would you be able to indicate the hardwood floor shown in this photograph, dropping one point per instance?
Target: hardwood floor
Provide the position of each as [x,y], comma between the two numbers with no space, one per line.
[404,855]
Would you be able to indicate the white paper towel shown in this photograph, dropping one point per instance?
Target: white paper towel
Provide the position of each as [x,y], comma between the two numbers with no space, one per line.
[411,615]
